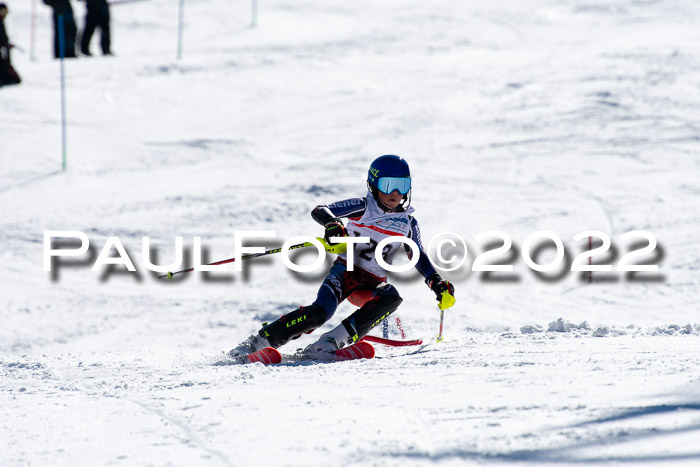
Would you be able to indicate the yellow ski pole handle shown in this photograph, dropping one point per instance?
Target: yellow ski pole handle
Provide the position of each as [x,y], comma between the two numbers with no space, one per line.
[446,301]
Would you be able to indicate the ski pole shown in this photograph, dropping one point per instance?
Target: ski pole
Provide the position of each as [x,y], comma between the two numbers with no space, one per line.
[170,275]
[446,302]
[442,317]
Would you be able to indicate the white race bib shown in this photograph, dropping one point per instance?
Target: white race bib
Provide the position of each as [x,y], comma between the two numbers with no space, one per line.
[377,224]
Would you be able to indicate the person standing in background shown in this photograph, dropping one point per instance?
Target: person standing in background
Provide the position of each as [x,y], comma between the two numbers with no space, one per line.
[8,75]
[63,8]
[97,15]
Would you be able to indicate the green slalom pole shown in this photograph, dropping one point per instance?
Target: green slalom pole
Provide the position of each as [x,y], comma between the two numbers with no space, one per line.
[180,27]
[254,13]
[62,49]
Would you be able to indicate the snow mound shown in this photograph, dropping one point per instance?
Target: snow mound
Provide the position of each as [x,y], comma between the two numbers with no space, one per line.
[561,325]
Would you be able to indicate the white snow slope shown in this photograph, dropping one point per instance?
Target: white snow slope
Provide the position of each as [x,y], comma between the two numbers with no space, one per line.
[516,116]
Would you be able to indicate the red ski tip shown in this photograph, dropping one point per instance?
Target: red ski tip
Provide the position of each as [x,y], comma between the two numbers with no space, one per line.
[266,356]
[360,350]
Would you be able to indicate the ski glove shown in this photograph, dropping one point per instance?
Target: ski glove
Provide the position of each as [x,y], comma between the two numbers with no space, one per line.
[334,228]
[444,291]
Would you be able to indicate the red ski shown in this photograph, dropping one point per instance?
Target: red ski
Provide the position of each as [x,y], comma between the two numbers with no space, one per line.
[266,356]
[270,356]
[360,350]
[391,342]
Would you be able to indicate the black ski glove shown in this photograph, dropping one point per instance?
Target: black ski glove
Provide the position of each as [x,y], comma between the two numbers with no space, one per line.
[438,285]
[334,228]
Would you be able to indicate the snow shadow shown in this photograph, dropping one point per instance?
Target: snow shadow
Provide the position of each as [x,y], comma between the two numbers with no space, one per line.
[584,450]
[642,411]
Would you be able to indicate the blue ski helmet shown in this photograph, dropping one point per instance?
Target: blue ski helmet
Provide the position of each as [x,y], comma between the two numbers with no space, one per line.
[390,173]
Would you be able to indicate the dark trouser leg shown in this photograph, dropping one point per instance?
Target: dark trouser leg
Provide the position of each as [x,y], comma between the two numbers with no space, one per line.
[330,294]
[70,31]
[294,324]
[306,319]
[373,312]
[281,331]
[357,325]
[90,24]
[71,34]
[56,38]
[105,38]
[302,320]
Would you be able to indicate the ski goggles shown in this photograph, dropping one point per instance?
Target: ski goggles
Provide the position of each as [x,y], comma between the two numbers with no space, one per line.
[390,184]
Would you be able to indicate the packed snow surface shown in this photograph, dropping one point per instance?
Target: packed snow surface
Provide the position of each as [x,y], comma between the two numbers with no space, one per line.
[517,116]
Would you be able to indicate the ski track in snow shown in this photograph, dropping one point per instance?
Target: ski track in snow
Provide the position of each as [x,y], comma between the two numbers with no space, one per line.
[516,116]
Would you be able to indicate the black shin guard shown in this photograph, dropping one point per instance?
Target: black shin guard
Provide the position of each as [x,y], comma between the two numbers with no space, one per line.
[372,313]
[293,325]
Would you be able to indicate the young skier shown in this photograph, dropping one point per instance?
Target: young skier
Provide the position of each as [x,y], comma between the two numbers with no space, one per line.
[384,211]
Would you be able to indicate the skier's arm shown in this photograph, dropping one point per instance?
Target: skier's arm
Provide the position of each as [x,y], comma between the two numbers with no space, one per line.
[424,265]
[436,283]
[323,214]
[329,216]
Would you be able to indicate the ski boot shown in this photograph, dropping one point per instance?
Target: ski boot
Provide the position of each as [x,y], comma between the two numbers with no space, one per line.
[290,326]
[249,346]
[357,325]
[333,340]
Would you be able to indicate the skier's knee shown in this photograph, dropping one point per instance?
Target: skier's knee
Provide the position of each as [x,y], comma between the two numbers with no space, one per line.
[387,290]
[374,312]
[325,306]
[388,303]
